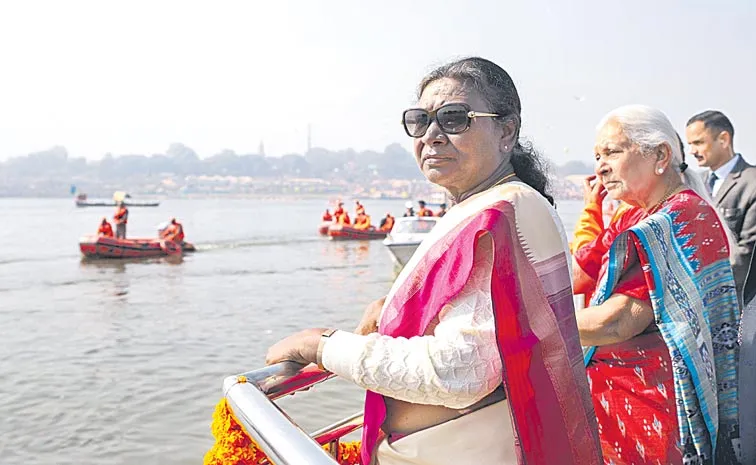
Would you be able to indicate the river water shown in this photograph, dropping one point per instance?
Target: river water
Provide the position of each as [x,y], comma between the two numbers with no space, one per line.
[112,362]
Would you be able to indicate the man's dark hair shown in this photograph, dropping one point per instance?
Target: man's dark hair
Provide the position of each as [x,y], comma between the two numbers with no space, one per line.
[715,121]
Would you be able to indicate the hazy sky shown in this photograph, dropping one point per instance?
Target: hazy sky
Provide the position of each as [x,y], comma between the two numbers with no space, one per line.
[133,77]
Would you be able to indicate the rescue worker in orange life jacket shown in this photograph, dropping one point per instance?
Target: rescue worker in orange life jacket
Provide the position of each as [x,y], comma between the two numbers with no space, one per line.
[174,232]
[105,228]
[422,211]
[341,216]
[387,223]
[362,221]
[121,218]
[358,208]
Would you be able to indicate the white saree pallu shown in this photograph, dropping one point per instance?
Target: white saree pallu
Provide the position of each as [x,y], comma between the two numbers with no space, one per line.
[464,440]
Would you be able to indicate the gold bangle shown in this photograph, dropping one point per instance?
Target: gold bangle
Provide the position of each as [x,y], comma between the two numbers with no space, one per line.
[321,345]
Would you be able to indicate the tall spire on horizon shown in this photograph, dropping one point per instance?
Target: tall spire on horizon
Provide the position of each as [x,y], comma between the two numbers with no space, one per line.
[261,148]
[309,138]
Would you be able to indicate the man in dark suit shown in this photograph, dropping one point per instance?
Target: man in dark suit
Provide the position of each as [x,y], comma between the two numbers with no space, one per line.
[732,183]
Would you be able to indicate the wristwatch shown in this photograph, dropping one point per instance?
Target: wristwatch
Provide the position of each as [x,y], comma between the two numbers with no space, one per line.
[321,345]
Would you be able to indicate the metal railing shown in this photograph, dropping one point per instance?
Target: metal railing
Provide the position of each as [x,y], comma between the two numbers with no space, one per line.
[250,396]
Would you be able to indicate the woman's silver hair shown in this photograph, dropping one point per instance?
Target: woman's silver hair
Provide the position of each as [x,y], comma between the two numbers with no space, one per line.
[649,128]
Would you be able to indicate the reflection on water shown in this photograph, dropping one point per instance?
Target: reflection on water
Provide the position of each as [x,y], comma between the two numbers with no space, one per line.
[121,263]
[346,250]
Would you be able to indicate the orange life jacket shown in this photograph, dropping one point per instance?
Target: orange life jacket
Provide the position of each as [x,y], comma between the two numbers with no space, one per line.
[343,218]
[175,232]
[178,236]
[105,230]
[388,224]
[122,215]
[362,222]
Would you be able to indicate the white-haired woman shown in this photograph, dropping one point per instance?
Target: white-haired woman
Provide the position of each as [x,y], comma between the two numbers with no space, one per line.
[662,326]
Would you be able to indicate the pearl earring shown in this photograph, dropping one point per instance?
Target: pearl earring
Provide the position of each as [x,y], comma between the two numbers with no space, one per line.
[659,170]
[506,147]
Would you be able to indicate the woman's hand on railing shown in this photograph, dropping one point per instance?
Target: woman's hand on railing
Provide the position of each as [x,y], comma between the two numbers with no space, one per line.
[301,347]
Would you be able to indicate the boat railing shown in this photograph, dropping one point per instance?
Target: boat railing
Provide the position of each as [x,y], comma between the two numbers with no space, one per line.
[251,398]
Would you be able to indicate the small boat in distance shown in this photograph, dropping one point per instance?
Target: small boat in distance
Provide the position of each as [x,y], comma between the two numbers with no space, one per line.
[83,201]
[342,232]
[406,235]
[110,247]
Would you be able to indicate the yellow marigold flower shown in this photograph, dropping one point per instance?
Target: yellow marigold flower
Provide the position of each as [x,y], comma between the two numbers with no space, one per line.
[233,446]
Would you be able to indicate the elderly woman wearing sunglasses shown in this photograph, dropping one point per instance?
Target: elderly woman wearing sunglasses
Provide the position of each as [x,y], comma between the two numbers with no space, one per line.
[474,355]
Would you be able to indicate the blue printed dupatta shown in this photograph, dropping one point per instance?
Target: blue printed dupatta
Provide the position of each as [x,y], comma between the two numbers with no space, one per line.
[696,310]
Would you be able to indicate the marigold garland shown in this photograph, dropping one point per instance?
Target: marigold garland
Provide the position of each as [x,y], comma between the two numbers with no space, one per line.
[234,447]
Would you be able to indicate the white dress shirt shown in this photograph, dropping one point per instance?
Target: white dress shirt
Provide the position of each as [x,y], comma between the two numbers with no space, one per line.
[722,172]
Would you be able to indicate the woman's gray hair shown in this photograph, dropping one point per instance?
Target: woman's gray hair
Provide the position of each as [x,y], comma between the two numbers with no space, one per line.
[649,128]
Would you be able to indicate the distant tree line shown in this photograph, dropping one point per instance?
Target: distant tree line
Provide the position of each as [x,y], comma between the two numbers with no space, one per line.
[50,171]
[394,162]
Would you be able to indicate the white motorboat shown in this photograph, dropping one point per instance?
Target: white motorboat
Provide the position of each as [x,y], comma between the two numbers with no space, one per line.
[406,235]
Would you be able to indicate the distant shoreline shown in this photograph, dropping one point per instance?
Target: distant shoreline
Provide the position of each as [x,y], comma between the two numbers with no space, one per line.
[147,198]
[262,197]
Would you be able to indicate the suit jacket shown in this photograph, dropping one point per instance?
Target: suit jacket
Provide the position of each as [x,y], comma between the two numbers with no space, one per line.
[736,201]
[747,384]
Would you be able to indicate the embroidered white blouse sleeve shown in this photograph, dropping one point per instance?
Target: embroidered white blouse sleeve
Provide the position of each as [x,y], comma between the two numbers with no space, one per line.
[456,366]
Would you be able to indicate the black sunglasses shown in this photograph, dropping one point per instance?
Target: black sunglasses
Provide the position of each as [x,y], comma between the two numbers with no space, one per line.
[452,118]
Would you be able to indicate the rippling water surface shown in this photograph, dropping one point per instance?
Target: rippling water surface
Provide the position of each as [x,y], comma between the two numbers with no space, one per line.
[112,362]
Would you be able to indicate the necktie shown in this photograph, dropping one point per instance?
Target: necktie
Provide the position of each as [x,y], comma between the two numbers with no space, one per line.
[712,179]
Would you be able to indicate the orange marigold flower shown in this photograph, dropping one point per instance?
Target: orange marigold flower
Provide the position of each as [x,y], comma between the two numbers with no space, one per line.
[233,446]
